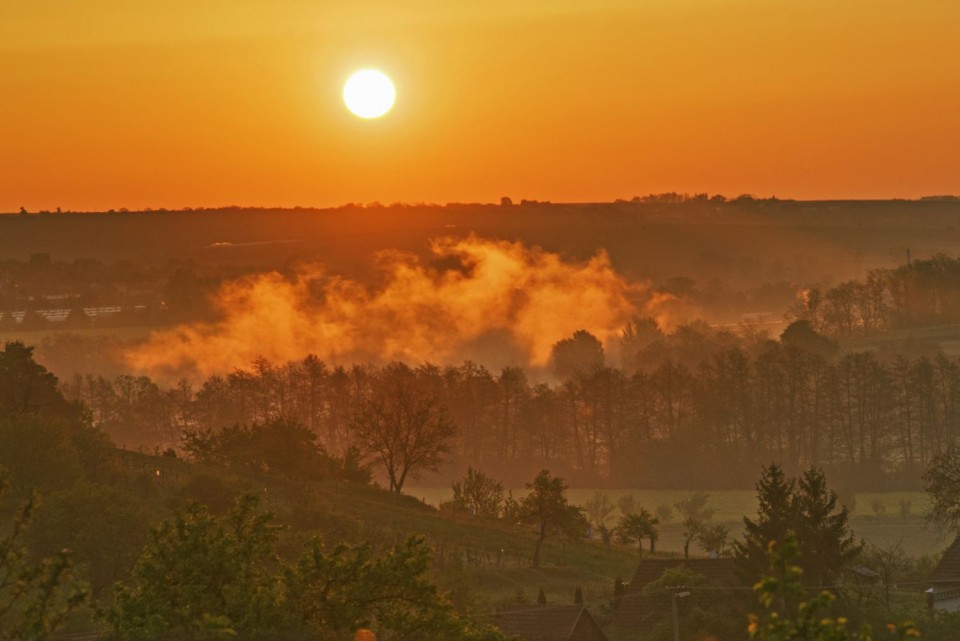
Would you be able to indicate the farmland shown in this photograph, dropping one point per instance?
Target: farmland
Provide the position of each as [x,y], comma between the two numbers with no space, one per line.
[895,523]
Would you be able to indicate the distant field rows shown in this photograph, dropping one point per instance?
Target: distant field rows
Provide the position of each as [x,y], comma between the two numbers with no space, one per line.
[35,336]
[732,505]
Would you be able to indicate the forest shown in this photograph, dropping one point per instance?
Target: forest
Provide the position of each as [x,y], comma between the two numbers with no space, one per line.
[695,411]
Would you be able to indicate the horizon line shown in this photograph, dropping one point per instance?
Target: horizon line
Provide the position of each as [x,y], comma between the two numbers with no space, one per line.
[666,198]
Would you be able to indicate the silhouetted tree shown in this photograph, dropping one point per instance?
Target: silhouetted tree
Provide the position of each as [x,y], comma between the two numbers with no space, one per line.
[402,427]
[478,494]
[637,527]
[26,387]
[713,538]
[279,447]
[599,508]
[636,336]
[941,480]
[801,335]
[581,353]
[804,509]
[547,509]
[695,513]
[775,520]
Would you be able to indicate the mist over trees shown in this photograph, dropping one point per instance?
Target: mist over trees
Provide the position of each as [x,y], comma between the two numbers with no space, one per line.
[693,408]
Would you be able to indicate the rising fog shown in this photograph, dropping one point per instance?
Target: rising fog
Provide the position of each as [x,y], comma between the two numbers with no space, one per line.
[492,301]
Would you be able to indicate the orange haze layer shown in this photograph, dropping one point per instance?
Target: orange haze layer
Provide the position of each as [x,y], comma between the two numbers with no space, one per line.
[491,301]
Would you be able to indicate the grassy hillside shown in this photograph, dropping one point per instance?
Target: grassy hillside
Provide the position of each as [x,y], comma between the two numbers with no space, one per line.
[483,564]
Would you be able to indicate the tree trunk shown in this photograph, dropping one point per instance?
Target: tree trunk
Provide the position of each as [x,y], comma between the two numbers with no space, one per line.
[536,552]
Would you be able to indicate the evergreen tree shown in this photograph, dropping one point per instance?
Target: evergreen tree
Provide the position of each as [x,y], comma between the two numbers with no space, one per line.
[806,510]
[774,521]
[823,530]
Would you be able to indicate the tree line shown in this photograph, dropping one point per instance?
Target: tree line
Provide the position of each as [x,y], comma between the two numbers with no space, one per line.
[696,408]
[920,293]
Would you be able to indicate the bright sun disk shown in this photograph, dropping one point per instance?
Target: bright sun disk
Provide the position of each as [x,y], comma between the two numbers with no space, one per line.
[369,93]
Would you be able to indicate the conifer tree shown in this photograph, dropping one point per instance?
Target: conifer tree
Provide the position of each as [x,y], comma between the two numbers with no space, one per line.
[807,510]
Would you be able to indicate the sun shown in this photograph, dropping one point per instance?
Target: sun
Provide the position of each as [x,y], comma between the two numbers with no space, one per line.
[369,93]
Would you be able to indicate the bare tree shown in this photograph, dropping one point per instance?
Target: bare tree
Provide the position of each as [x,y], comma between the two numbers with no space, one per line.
[695,513]
[402,427]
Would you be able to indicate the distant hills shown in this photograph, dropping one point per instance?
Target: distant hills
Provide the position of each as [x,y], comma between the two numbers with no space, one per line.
[737,242]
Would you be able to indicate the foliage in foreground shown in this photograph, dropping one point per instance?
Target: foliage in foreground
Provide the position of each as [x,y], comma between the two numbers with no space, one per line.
[353,588]
[801,618]
[35,598]
[203,577]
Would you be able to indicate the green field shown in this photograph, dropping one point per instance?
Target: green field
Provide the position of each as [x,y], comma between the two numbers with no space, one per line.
[887,529]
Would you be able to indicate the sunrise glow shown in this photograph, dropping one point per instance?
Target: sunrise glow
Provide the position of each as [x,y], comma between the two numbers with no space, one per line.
[369,93]
[594,101]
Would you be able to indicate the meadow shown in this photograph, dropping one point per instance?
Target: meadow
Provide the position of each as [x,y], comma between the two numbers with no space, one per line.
[883,519]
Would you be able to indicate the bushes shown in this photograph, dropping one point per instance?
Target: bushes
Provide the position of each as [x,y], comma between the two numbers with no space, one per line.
[205,577]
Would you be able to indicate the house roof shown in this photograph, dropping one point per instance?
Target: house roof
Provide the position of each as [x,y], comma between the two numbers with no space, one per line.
[546,622]
[948,570]
[864,571]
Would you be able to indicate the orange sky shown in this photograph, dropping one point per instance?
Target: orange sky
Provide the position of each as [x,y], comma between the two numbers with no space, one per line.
[158,103]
